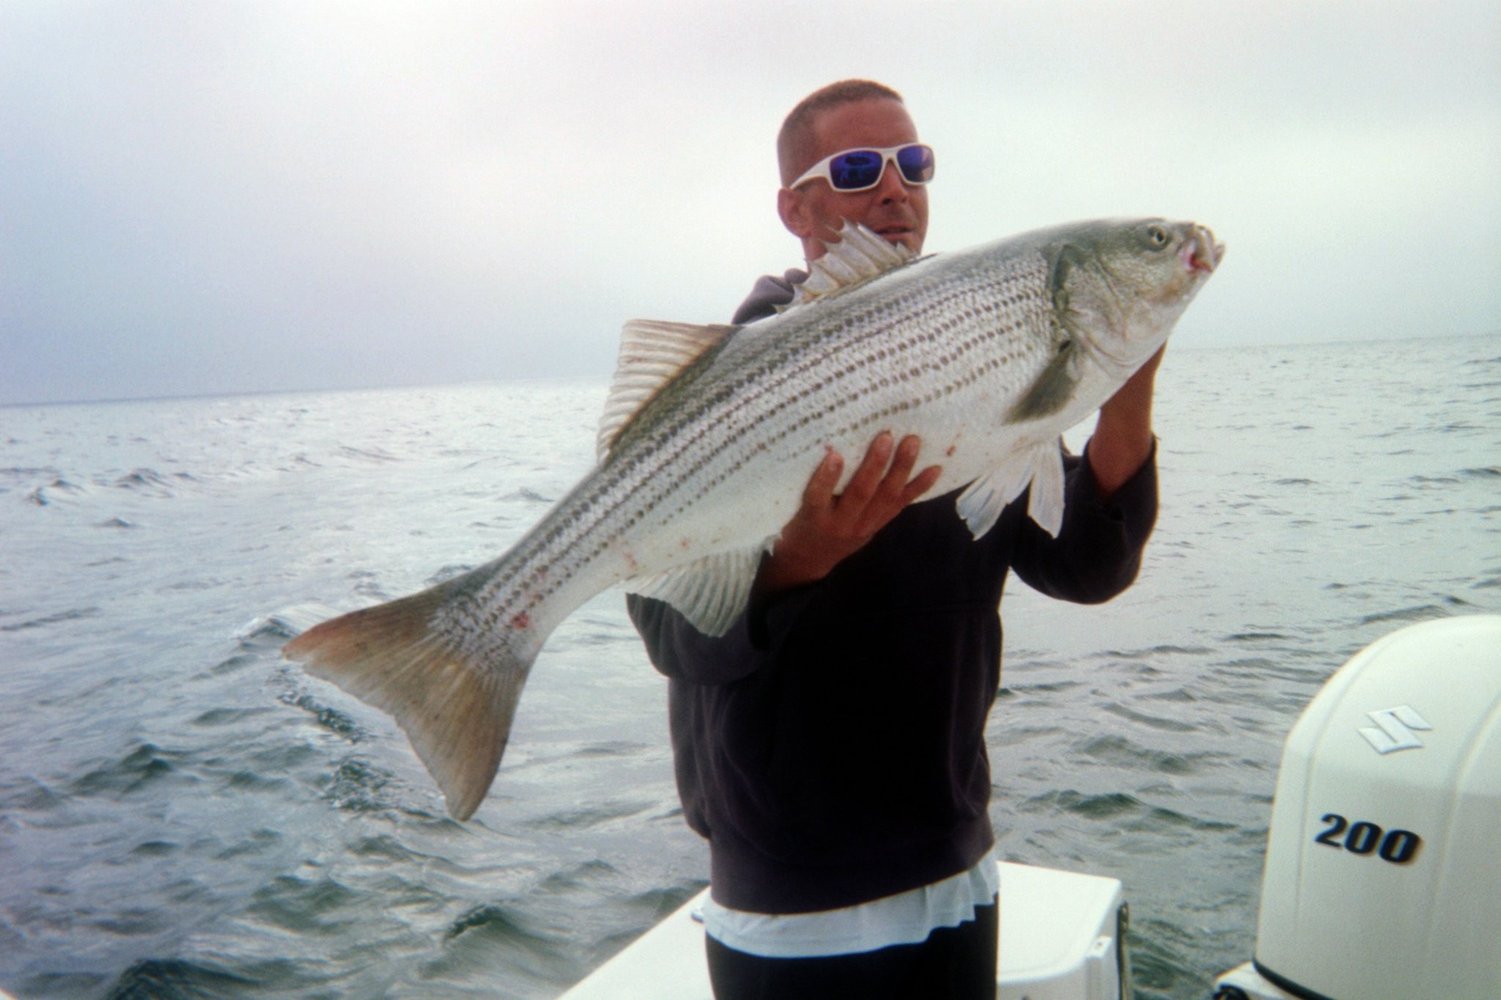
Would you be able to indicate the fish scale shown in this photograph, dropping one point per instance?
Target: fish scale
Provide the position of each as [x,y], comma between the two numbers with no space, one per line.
[843,397]
[702,453]
[711,434]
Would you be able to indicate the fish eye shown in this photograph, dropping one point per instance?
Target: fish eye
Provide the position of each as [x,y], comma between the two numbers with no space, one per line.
[1157,235]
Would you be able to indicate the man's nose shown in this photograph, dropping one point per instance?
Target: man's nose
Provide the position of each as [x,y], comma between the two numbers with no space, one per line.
[892,187]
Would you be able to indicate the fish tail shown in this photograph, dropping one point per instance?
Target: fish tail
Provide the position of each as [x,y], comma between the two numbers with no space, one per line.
[455,709]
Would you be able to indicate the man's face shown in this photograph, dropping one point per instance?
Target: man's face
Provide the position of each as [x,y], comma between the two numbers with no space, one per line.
[894,209]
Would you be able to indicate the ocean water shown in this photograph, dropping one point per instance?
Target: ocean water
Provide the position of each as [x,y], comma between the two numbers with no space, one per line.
[183,814]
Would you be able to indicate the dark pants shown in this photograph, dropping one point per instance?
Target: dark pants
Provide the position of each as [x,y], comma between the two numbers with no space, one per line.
[954,963]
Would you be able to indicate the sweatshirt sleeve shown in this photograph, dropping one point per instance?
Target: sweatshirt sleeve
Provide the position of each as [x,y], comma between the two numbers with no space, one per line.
[1097,553]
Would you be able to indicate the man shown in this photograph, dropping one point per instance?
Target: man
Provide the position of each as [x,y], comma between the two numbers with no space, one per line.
[831,745]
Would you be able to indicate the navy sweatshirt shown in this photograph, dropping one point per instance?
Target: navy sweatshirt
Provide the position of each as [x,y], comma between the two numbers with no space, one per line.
[831,746]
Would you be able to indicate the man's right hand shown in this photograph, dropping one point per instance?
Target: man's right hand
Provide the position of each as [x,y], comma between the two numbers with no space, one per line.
[829,526]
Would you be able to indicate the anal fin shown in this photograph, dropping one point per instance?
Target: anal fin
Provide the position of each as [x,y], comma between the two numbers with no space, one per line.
[710,593]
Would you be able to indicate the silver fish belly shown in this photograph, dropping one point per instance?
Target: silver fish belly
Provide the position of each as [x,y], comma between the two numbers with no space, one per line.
[711,433]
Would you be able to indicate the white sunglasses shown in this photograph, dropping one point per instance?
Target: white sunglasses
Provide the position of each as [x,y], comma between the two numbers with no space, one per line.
[853,170]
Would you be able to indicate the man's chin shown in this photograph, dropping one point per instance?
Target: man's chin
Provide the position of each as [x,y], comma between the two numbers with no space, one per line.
[906,237]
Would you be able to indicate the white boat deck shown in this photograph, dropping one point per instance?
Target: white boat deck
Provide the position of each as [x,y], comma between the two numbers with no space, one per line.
[1058,941]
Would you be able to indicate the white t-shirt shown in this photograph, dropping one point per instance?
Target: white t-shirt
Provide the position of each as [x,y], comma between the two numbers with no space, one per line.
[905,918]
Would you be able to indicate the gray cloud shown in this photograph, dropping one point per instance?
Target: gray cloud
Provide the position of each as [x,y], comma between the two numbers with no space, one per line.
[247,196]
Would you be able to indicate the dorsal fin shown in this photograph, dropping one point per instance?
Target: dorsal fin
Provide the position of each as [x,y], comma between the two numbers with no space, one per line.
[652,353]
[858,256]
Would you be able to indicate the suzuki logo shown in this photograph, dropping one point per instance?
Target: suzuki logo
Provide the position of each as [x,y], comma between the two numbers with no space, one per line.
[1394,729]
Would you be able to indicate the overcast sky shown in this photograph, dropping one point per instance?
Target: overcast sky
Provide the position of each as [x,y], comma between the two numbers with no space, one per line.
[209,197]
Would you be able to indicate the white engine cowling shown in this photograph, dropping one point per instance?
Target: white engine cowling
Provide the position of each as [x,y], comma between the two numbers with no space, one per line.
[1383,863]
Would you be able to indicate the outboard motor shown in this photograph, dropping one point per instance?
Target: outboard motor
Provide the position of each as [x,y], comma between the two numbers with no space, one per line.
[1383,862]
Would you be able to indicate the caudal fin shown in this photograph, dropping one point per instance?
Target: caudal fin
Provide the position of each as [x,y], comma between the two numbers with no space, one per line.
[455,710]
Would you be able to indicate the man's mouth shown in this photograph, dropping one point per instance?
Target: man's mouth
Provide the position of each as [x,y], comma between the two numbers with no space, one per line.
[897,234]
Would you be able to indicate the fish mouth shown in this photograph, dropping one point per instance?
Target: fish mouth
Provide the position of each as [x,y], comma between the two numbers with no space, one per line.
[1200,252]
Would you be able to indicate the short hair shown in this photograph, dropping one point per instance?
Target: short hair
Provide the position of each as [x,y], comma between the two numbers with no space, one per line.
[796,134]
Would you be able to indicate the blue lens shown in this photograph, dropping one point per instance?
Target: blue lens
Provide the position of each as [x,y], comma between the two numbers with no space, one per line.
[916,162]
[860,168]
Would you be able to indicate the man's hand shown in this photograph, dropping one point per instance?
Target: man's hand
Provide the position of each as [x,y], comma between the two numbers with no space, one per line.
[829,527]
[1123,435]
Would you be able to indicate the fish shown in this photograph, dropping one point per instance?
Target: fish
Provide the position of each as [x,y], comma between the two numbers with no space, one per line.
[710,433]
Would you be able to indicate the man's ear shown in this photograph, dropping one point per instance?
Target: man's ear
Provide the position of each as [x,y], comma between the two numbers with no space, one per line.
[792,207]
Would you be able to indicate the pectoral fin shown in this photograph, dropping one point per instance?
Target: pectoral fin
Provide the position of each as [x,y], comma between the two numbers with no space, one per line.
[1053,389]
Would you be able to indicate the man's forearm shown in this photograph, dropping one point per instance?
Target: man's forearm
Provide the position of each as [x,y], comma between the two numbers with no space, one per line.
[1123,437]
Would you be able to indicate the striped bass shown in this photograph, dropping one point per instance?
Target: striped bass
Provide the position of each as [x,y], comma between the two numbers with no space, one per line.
[710,434]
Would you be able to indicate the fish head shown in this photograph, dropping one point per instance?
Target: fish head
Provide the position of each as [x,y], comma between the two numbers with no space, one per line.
[1121,285]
